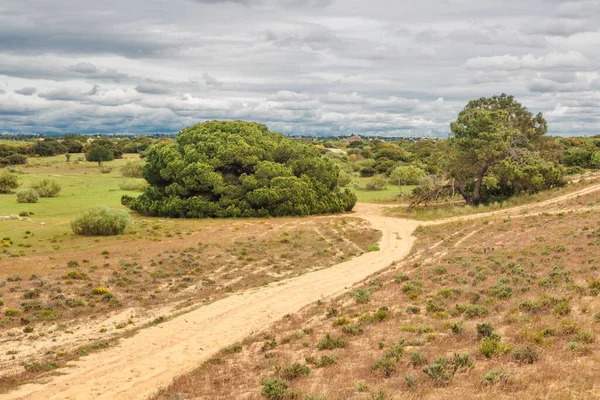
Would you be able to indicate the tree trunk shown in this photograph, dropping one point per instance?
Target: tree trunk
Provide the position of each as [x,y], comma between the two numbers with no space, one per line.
[464,194]
[477,190]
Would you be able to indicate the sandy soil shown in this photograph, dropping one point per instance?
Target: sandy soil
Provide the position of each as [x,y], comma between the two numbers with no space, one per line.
[139,365]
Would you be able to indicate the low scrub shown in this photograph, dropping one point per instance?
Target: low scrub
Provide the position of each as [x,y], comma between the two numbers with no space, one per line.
[100,221]
[27,196]
[47,188]
[8,182]
[132,169]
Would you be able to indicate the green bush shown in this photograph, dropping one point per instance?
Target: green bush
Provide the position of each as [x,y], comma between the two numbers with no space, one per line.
[275,390]
[27,196]
[238,169]
[8,182]
[100,221]
[376,184]
[295,371]
[133,185]
[330,343]
[132,169]
[15,159]
[526,355]
[47,188]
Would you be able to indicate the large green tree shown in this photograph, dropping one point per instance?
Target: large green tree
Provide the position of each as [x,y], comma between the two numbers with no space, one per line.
[497,146]
[238,169]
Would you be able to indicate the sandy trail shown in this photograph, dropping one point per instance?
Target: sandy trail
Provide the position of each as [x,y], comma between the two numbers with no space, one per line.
[141,364]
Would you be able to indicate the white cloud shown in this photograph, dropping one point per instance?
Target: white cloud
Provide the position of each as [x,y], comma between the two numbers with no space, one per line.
[554,60]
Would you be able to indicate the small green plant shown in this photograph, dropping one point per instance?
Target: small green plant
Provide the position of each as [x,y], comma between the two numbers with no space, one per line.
[417,359]
[234,348]
[562,308]
[269,345]
[101,290]
[484,330]
[11,312]
[100,221]
[361,296]
[295,371]
[457,327]
[274,389]
[373,247]
[330,343]
[494,376]
[352,329]
[27,195]
[491,346]
[526,355]
[442,370]
[361,386]
[324,361]
[413,309]
[410,381]
[8,181]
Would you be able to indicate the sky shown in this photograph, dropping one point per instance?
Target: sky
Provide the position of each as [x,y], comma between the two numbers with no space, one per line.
[307,67]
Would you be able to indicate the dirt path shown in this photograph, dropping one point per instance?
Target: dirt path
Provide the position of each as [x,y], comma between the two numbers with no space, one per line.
[139,365]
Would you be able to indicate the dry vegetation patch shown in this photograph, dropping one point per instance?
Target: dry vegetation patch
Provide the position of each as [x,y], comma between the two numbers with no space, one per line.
[497,308]
[65,300]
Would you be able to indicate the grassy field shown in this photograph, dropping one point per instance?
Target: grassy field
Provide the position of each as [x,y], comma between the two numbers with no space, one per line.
[503,308]
[390,194]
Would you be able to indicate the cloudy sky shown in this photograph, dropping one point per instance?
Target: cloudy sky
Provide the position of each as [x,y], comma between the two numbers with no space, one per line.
[388,67]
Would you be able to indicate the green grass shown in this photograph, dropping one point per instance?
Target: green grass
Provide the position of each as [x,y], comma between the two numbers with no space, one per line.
[83,186]
[389,195]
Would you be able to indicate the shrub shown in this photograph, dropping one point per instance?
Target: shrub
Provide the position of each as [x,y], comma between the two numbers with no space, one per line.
[494,376]
[132,169]
[274,389]
[321,362]
[101,290]
[361,296]
[27,196]
[229,169]
[15,159]
[330,343]
[377,183]
[295,371]
[234,348]
[100,221]
[48,148]
[352,329]
[344,179]
[491,346]
[8,182]
[526,355]
[484,330]
[47,188]
[11,312]
[373,247]
[442,370]
[133,185]
[105,170]
[385,365]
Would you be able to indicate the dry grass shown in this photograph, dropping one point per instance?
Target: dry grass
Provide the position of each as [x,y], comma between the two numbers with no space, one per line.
[532,278]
